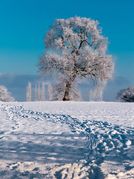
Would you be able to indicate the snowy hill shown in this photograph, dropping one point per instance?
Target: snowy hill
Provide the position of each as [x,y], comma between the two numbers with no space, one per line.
[67,140]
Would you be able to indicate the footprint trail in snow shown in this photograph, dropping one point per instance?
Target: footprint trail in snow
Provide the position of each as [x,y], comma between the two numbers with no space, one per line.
[103,137]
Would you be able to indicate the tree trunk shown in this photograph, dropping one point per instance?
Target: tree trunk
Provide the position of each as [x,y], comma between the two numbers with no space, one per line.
[66,96]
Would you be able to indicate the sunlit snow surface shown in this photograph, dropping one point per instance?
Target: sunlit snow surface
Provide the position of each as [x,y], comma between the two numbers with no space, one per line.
[67,139]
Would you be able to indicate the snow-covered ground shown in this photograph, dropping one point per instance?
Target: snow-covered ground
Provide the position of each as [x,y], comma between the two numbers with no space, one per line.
[67,140]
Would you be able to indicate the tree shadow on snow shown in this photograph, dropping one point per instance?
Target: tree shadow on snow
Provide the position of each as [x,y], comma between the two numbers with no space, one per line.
[55,148]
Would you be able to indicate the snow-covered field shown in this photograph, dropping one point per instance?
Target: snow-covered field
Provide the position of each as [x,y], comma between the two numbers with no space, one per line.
[67,140]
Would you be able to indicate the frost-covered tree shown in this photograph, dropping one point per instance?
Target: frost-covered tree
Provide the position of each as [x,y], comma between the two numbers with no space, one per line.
[35,92]
[39,91]
[96,94]
[126,95]
[75,47]
[29,92]
[5,95]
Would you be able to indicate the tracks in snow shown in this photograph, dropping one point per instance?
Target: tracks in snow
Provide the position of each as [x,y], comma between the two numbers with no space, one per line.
[103,137]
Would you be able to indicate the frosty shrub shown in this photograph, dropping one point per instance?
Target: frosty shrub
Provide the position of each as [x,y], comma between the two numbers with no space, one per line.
[126,95]
[75,48]
[5,95]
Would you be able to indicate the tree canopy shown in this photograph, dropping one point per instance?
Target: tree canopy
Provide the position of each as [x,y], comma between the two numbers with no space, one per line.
[75,47]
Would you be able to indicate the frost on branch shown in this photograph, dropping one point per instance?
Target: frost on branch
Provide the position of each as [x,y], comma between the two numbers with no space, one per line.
[75,48]
[5,95]
[126,95]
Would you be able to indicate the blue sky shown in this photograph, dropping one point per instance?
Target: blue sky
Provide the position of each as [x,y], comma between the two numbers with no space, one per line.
[23,24]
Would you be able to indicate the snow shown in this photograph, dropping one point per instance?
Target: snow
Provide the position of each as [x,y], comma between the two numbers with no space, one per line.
[78,139]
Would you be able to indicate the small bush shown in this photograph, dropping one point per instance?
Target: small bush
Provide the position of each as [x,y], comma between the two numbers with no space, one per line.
[126,95]
[5,94]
